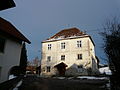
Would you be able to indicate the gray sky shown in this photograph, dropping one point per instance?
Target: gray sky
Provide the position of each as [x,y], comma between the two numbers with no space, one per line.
[40,19]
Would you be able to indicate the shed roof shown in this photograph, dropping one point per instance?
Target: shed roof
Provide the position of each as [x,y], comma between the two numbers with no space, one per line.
[8,28]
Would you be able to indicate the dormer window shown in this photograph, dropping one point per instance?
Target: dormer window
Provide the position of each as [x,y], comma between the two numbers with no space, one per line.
[49,46]
[79,44]
[63,45]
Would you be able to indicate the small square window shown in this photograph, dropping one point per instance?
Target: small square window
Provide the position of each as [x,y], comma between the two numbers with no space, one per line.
[2,44]
[62,57]
[79,56]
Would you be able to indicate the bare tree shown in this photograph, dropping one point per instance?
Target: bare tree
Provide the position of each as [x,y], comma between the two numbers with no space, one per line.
[111,37]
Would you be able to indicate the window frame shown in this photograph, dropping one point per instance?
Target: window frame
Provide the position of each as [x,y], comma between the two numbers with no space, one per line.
[62,57]
[48,58]
[79,56]
[79,44]
[80,66]
[63,45]
[49,46]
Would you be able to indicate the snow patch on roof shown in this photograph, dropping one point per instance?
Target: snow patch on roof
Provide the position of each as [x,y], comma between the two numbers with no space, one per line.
[62,37]
[66,34]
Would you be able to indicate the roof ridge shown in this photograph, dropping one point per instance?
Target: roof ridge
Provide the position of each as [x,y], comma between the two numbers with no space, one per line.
[65,33]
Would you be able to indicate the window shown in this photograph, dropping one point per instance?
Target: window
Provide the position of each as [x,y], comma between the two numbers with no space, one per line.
[79,44]
[79,56]
[62,57]
[63,45]
[2,44]
[49,58]
[49,46]
[80,66]
[48,68]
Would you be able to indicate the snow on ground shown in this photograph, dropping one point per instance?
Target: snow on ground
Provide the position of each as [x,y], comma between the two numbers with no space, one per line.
[59,77]
[19,83]
[84,77]
[11,77]
[91,77]
[105,70]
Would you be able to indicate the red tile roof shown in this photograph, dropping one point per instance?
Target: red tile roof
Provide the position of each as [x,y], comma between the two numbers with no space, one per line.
[68,33]
[8,28]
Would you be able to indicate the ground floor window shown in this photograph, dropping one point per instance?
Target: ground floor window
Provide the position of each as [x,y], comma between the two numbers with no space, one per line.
[48,68]
[80,68]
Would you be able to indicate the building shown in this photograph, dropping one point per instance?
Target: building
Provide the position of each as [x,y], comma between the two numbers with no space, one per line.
[6,4]
[69,52]
[10,48]
[34,66]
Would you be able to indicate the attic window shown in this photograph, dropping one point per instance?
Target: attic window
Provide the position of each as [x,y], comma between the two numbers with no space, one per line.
[2,44]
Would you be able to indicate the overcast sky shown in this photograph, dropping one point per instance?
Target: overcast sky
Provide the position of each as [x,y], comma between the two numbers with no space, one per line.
[40,19]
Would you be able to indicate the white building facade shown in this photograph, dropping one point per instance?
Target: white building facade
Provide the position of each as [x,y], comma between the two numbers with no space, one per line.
[69,52]
[10,48]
